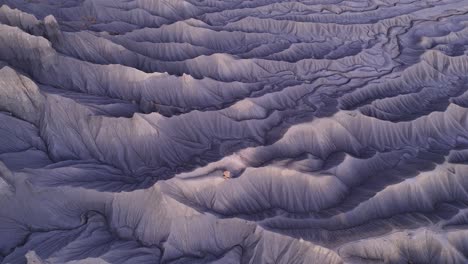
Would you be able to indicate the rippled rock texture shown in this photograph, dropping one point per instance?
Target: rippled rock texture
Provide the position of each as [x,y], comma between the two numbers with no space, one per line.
[206,131]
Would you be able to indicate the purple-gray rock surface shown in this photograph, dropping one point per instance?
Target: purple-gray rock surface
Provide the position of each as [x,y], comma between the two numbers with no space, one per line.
[340,126]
